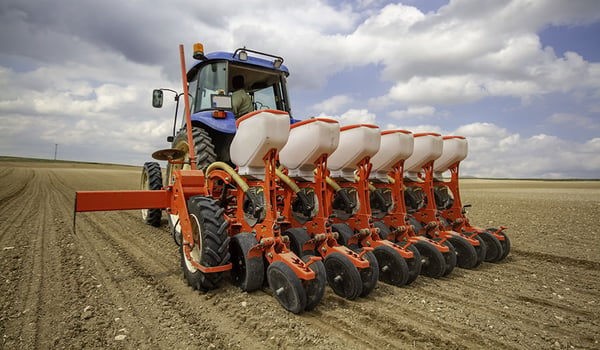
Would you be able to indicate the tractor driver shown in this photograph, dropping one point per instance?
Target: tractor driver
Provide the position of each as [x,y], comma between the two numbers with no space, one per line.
[240,100]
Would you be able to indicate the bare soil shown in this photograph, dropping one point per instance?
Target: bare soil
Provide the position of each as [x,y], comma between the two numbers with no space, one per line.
[117,283]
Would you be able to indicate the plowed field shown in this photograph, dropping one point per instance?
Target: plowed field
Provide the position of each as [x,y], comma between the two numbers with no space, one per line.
[117,283]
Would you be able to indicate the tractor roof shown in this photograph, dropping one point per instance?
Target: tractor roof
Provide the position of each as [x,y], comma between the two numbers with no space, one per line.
[253,61]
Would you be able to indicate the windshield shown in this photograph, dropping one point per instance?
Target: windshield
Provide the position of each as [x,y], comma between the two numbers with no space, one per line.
[266,87]
[211,79]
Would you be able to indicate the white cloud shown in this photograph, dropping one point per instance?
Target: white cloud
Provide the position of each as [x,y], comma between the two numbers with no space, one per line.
[333,104]
[81,73]
[353,116]
[413,112]
[574,120]
[495,152]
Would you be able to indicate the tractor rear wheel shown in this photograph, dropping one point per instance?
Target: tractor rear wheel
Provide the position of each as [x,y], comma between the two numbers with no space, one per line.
[151,181]
[204,151]
[432,260]
[342,276]
[248,274]
[209,245]
[392,266]
[287,287]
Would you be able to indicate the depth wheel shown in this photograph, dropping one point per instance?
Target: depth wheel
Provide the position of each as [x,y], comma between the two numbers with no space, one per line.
[449,258]
[505,243]
[315,288]
[493,252]
[248,274]
[466,255]
[344,234]
[433,263]
[298,237]
[210,241]
[392,266]
[414,264]
[287,287]
[480,249]
[342,276]
[204,151]
[151,181]
[369,275]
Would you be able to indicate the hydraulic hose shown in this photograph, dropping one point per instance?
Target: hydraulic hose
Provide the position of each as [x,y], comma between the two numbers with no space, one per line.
[231,172]
[286,179]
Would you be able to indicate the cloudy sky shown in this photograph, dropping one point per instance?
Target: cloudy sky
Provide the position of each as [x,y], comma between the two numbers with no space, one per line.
[520,79]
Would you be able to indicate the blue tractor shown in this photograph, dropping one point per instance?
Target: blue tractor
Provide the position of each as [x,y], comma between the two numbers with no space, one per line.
[211,84]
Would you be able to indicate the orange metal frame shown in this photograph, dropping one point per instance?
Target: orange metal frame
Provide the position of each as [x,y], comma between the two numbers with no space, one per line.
[458,220]
[397,218]
[362,222]
[271,244]
[319,227]
[173,198]
[428,216]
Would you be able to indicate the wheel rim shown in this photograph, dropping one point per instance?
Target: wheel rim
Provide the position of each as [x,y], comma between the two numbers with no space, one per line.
[342,276]
[196,251]
[392,266]
[286,287]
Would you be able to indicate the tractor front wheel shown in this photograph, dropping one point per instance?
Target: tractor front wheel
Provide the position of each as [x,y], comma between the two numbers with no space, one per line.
[151,181]
[209,243]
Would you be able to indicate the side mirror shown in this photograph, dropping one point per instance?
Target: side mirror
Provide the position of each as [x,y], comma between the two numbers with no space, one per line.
[157,98]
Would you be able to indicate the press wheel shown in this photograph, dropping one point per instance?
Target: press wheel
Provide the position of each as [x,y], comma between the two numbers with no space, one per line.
[287,287]
[315,288]
[392,266]
[342,276]
[369,275]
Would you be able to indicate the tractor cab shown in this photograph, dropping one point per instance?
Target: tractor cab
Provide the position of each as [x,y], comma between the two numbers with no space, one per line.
[210,89]
[210,86]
